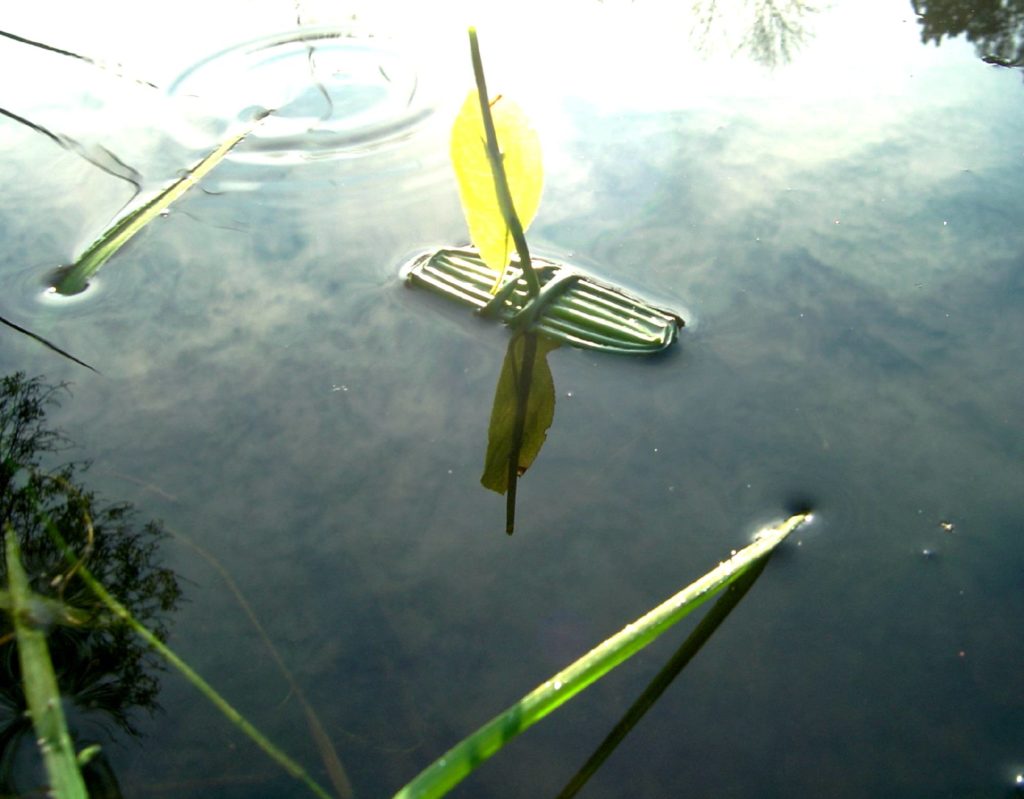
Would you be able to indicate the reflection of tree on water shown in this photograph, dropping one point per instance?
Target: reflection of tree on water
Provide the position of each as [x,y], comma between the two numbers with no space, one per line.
[102,669]
[996,27]
[770,30]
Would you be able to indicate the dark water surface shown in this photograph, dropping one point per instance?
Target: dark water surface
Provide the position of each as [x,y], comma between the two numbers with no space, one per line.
[841,220]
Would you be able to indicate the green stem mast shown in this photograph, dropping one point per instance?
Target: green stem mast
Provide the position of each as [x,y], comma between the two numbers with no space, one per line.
[508,210]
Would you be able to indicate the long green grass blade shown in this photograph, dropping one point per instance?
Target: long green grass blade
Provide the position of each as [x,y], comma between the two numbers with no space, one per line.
[448,770]
[40,682]
[75,278]
[728,600]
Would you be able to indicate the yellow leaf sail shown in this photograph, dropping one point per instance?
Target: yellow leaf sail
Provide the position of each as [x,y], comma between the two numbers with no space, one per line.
[520,150]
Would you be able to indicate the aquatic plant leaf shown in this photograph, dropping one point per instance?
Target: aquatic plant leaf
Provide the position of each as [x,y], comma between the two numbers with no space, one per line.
[521,159]
[525,375]
[454,765]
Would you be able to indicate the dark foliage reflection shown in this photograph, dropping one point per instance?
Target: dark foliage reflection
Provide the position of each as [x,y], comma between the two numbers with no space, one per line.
[104,673]
[995,27]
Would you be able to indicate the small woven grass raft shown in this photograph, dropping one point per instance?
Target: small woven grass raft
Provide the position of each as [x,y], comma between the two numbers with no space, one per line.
[572,307]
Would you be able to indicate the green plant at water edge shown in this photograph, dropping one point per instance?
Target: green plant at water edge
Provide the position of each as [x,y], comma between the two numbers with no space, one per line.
[65,620]
[452,767]
[40,682]
[29,497]
[101,670]
[124,615]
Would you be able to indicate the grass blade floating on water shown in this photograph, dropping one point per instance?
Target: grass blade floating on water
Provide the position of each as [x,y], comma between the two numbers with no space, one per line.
[74,278]
[448,770]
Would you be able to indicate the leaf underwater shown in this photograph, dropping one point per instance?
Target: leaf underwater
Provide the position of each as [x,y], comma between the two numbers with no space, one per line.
[540,412]
[521,158]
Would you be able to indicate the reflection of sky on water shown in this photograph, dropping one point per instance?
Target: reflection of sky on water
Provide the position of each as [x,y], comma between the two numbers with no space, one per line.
[847,230]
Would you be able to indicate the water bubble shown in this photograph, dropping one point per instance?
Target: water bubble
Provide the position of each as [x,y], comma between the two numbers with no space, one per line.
[50,295]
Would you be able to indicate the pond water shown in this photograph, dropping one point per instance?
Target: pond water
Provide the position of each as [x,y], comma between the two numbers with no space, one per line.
[834,206]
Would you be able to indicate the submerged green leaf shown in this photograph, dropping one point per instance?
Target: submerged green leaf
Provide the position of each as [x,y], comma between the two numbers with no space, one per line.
[518,431]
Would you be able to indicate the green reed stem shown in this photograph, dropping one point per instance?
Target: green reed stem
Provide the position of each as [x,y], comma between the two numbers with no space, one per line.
[505,203]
